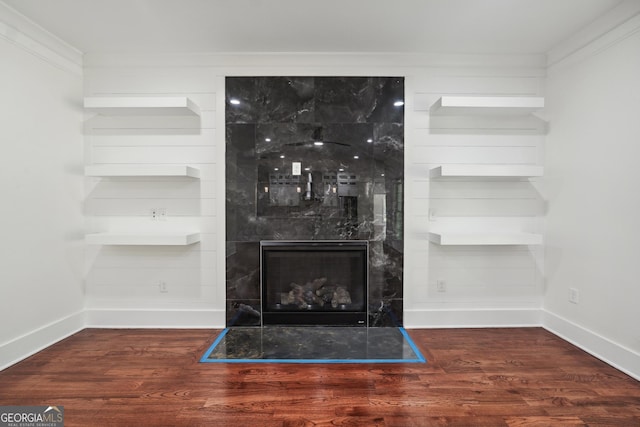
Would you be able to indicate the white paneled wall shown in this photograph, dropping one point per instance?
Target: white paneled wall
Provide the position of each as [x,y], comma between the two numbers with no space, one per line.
[154,285]
[449,285]
[487,278]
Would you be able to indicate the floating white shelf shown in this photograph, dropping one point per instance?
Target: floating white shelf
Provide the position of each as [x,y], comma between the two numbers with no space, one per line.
[142,106]
[496,105]
[146,239]
[141,170]
[489,171]
[485,238]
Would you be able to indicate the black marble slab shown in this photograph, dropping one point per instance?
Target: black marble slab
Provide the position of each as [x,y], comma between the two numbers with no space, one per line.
[292,344]
[276,121]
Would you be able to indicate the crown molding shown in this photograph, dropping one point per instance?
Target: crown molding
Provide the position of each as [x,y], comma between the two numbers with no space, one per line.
[26,34]
[611,28]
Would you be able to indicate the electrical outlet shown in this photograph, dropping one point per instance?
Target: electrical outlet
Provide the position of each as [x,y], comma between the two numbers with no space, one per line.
[574,296]
[153,213]
[432,215]
[162,287]
[162,214]
[441,286]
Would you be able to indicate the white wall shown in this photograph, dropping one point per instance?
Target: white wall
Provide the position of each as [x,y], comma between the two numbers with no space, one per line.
[485,286]
[590,171]
[41,250]
[124,282]
[593,223]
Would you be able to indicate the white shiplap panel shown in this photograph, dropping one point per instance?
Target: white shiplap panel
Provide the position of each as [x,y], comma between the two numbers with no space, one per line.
[148,293]
[207,226]
[487,207]
[154,155]
[487,125]
[475,155]
[149,80]
[479,188]
[151,188]
[458,259]
[494,276]
[204,137]
[142,125]
[136,277]
[143,207]
[426,138]
[479,85]
[157,257]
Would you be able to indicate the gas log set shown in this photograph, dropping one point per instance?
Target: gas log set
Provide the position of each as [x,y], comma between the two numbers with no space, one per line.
[317,293]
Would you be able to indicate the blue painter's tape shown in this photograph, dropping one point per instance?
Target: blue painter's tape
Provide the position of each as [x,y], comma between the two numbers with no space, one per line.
[205,357]
[419,358]
[413,346]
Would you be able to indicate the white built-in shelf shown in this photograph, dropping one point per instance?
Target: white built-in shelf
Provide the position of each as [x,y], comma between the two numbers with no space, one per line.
[145,239]
[142,106]
[141,171]
[494,105]
[485,238]
[488,171]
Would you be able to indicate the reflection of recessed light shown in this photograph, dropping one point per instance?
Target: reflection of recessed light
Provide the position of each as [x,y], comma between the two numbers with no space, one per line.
[318,143]
[267,139]
[275,169]
[234,101]
[341,170]
[307,169]
[282,156]
[356,157]
[381,174]
[398,103]
[369,140]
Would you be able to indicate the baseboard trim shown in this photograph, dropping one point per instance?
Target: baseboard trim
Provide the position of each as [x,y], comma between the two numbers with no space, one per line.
[621,358]
[28,344]
[467,318]
[140,318]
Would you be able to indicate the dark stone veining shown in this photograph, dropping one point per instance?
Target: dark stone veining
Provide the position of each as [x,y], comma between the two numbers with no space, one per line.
[275,123]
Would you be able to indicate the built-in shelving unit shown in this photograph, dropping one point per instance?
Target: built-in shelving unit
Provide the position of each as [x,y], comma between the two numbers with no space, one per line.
[485,238]
[123,106]
[495,106]
[141,171]
[498,105]
[142,106]
[486,171]
[145,239]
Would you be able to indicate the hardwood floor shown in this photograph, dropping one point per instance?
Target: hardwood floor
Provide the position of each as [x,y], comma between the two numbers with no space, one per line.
[474,377]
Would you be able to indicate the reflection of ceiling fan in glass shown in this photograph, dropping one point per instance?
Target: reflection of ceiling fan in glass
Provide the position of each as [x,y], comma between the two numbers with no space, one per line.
[317,139]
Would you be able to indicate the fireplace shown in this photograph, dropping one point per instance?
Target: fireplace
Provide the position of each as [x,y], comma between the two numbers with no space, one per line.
[314,282]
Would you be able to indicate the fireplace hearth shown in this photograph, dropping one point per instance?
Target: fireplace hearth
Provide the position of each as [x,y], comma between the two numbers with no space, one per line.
[314,282]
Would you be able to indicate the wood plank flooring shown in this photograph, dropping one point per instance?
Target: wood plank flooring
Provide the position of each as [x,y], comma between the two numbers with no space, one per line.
[474,377]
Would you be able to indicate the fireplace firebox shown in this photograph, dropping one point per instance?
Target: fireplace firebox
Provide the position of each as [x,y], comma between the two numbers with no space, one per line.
[314,282]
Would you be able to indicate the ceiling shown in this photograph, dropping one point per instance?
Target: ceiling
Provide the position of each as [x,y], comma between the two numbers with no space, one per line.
[417,26]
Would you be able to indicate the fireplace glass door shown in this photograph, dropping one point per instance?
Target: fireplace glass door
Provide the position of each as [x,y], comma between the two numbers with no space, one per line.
[314,282]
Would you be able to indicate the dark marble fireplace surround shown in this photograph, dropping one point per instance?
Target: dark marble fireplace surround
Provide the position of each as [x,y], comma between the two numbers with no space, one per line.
[355,178]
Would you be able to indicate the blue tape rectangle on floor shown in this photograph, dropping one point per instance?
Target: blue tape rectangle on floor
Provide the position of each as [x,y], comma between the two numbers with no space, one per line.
[291,344]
